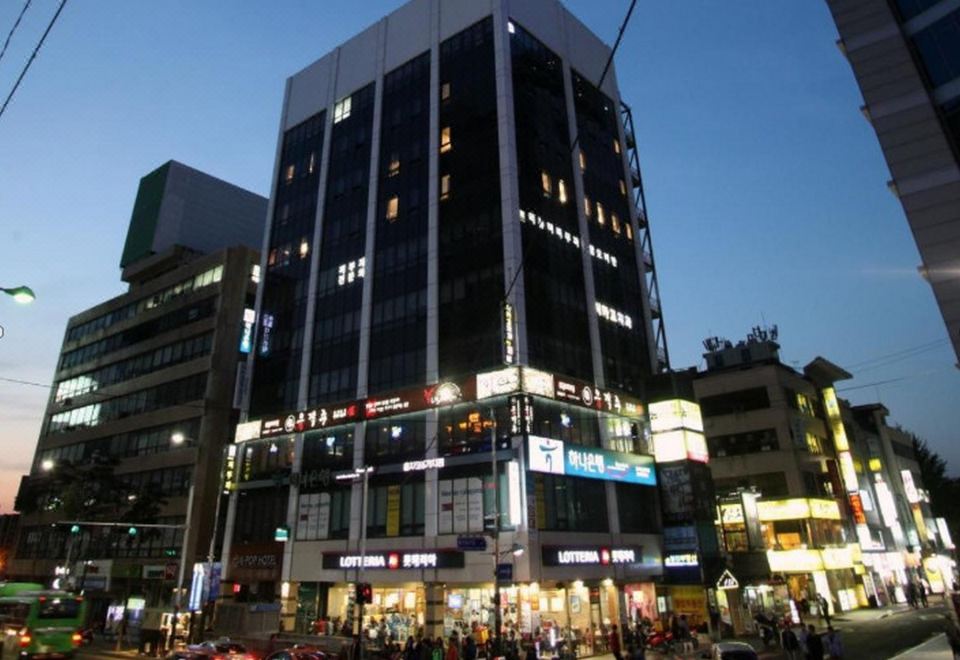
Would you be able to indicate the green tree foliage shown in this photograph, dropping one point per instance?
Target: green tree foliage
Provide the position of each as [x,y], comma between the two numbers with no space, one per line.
[944,490]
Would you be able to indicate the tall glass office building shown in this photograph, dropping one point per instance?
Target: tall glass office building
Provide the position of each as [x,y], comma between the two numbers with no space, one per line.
[457,275]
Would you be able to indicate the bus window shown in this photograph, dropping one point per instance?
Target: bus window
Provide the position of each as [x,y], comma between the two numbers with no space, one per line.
[58,608]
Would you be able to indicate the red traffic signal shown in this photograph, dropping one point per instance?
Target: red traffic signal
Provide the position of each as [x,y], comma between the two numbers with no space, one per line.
[364,594]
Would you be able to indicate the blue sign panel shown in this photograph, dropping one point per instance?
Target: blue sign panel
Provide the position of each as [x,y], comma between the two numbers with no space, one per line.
[543,455]
[504,572]
[471,543]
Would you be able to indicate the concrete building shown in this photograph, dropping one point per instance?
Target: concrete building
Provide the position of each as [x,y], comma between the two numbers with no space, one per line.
[143,401]
[906,58]
[458,260]
[809,506]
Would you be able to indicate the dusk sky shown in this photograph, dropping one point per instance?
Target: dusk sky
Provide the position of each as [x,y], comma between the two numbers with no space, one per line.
[765,184]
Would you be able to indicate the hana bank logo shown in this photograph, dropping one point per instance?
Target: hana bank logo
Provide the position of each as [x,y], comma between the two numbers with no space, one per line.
[546,455]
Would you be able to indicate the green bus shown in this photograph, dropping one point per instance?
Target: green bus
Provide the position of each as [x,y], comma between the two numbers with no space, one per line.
[40,624]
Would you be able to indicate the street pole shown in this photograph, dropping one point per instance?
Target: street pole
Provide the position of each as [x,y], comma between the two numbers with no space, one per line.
[363,551]
[497,622]
[205,611]
[183,567]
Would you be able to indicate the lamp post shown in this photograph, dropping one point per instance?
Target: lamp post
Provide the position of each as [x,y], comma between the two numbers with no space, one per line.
[21,294]
[208,578]
[360,473]
[177,440]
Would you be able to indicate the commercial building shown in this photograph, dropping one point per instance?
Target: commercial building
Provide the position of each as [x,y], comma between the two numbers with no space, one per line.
[142,402]
[807,503]
[457,275]
[905,57]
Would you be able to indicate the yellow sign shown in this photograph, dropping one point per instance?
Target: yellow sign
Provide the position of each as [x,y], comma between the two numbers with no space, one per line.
[875,464]
[836,420]
[675,414]
[393,510]
[798,509]
[824,509]
[794,561]
[834,558]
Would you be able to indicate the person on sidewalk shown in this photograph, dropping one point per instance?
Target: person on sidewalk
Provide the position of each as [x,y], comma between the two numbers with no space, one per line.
[789,642]
[814,644]
[833,643]
[614,643]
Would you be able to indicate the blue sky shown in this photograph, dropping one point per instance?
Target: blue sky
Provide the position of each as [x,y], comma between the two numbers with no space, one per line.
[765,184]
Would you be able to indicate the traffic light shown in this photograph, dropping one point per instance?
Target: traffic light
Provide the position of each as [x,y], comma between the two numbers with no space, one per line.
[364,593]
[170,552]
[132,531]
[75,529]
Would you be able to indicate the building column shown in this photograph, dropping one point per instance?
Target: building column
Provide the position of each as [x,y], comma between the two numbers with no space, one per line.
[433,203]
[433,617]
[509,173]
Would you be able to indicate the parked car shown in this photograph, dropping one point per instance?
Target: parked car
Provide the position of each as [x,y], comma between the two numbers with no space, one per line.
[298,652]
[215,649]
[731,651]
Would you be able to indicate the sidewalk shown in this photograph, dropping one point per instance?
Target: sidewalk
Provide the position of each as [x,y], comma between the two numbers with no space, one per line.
[865,614]
[937,648]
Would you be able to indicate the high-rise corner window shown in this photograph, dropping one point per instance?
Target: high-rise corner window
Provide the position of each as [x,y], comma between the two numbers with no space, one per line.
[587,207]
[393,208]
[304,248]
[445,187]
[394,168]
[562,191]
[546,184]
[583,161]
[601,215]
[289,173]
[446,144]
[616,146]
[615,223]
[445,91]
[628,229]
[623,188]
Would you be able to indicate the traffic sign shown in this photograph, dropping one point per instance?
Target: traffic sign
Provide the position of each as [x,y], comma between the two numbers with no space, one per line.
[471,543]
[728,581]
[504,572]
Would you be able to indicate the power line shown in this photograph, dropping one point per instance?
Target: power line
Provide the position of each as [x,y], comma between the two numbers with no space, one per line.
[33,56]
[919,348]
[14,28]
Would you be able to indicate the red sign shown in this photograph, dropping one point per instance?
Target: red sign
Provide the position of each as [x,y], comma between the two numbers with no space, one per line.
[856,507]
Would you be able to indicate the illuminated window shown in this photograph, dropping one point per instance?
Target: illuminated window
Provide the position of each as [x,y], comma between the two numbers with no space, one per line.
[394,168]
[445,186]
[629,230]
[313,162]
[351,271]
[511,28]
[546,184]
[601,216]
[587,208]
[583,161]
[255,273]
[341,110]
[814,446]
[562,191]
[393,208]
[445,142]
[289,173]
[444,91]
[623,188]
[615,223]
[616,146]
[304,248]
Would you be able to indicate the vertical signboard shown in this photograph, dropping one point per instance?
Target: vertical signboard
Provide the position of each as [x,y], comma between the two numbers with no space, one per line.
[393,510]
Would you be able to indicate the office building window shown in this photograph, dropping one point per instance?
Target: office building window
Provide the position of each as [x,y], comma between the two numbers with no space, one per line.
[445,142]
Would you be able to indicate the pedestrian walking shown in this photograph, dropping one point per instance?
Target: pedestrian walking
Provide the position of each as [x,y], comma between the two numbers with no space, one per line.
[922,592]
[814,644]
[824,607]
[790,643]
[453,649]
[614,643]
[833,644]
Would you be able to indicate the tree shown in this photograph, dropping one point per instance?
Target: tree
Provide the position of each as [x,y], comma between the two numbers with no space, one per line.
[944,490]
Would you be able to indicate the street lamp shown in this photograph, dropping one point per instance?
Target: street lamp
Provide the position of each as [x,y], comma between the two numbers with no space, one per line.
[178,438]
[21,294]
[47,464]
[357,474]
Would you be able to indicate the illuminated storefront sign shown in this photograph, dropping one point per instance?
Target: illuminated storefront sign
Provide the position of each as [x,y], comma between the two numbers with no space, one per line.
[681,560]
[589,396]
[875,464]
[246,333]
[797,509]
[394,560]
[494,383]
[509,335]
[909,488]
[848,471]
[538,382]
[945,538]
[230,468]
[675,414]
[247,431]
[794,561]
[856,507]
[554,457]
[680,445]
[309,420]
[425,464]
[888,509]
[553,556]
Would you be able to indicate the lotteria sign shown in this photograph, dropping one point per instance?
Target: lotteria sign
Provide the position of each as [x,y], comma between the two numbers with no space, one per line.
[590,556]
[393,561]
[555,457]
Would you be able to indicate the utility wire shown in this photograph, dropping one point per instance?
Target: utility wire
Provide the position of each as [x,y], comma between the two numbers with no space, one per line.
[16,24]
[33,56]
[918,348]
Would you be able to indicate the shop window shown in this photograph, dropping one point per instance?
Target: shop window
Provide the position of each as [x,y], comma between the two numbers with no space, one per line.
[388,440]
[395,510]
[569,503]
[393,208]
[446,143]
[562,191]
[323,515]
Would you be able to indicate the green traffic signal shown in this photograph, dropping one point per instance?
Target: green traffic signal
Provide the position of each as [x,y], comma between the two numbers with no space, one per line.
[75,529]
[132,531]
